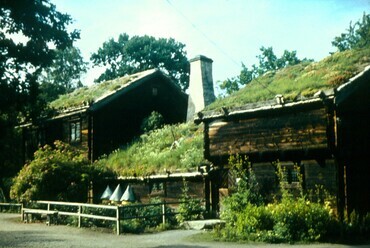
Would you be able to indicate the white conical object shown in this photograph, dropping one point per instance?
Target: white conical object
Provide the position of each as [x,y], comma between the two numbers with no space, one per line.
[117,194]
[106,194]
[128,195]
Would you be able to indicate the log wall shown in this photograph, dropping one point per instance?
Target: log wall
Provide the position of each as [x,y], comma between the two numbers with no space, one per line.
[286,132]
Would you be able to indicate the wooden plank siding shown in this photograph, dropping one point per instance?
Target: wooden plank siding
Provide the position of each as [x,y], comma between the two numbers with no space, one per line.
[290,131]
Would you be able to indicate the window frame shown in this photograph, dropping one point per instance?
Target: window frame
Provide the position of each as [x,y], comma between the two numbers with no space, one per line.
[75,131]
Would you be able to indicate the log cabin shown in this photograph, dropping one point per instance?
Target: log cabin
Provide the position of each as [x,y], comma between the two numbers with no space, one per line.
[106,116]
[326,135]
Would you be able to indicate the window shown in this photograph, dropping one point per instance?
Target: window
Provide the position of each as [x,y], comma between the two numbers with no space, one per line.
[291,176]
[75,132]
[157,189]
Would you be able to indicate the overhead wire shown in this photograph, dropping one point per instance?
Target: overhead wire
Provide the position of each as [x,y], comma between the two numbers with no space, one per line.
[204,34]
[213,42]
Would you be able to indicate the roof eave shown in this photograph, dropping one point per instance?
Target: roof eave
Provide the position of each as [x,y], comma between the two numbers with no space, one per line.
[232,113]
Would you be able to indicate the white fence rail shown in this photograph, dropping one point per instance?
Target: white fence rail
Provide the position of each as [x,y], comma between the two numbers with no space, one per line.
[9,206]
[51,208]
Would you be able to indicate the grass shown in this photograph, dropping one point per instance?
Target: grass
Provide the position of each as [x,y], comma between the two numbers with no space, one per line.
[87,95]
[301,80]
[173,148]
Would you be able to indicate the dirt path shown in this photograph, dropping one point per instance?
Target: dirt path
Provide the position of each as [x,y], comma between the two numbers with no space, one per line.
[13,233]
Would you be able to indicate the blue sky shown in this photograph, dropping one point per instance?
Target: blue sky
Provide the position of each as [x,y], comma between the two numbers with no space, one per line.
[228,31]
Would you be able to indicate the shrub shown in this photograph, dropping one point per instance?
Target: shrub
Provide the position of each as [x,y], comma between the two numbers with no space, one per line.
[144,217]
[154,121]
[153,214]
[300,220]
[291,219]
[190,208]
[357,225]
[61,173]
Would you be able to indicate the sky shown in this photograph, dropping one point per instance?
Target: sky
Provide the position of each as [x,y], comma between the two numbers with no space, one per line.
[230,32]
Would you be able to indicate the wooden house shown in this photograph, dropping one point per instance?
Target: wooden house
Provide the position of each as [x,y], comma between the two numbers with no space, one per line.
[105,116]
[327,135]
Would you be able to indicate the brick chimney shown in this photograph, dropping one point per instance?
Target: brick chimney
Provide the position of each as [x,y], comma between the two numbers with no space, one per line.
[200,90]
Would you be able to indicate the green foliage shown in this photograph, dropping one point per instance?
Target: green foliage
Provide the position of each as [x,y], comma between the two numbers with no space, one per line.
[154,121]
[230,85]
[300,80]
[140,218]
[41,26]
[291,219]
[357,226]
[171,148]
[190,208]
[21,62]
[60,173]
[138,53]
[268,61]
[246,190]
[356,37]
[63,76]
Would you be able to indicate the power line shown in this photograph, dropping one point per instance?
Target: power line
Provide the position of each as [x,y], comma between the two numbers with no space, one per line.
[213,42]
[204,35]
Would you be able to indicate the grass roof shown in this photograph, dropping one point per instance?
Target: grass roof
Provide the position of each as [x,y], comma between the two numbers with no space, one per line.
[179,148]
[301,80]
[173,148]
[87,95]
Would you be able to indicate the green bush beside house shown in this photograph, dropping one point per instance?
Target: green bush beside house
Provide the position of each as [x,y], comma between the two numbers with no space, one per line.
[293,218]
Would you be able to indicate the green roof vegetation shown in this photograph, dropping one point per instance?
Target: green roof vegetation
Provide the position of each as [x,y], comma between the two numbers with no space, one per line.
[179,148]
[86,95]
[303,79]
[173,148]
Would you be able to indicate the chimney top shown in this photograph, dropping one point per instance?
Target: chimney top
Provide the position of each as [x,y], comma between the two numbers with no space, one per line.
[200,57]
[200,90]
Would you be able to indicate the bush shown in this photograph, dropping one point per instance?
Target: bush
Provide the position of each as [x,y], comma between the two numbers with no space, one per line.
[190,208]
[291,219]
[145,217]
[300,220]
[61,173]
[154,121]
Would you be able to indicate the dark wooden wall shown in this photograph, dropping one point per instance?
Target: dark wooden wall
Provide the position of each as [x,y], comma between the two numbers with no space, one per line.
[117,123]
[270,135]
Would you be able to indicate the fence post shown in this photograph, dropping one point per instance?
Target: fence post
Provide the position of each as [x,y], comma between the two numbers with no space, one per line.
[164,213]
[48,206]
[22,212]
[117,221]
[79,215]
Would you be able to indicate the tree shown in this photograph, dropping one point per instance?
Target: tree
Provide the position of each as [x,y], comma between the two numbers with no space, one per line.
[357,35]
[64,74]
[39,24]
[130,55]
[28,29]
[268,61]
[152,122]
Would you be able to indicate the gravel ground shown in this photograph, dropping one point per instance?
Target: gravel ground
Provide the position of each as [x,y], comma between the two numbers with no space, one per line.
[13,233]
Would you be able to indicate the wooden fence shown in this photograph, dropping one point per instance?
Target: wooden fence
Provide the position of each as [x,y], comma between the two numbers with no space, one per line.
[10,206]
[80,211]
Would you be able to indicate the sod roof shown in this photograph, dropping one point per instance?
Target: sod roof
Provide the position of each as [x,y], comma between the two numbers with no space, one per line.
[180,147]
[299,81]
[88,95]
